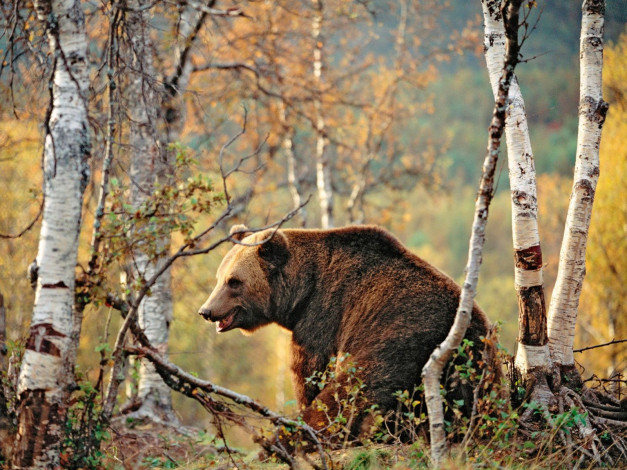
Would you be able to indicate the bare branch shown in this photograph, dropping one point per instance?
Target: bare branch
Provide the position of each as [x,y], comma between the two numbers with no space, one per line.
[29,226]
[229,12]
[193,387]
[97,235]
[614,341]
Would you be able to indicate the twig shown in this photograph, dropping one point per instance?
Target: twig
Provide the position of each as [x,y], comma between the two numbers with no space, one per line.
[614,341]
[29,226]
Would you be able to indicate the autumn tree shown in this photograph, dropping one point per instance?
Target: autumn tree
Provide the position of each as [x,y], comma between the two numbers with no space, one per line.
[331,106]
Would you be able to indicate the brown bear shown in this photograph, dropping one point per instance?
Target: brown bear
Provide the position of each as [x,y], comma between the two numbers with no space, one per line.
[354,290]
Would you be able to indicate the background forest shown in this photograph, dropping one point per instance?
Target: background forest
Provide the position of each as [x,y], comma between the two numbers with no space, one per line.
[401,104]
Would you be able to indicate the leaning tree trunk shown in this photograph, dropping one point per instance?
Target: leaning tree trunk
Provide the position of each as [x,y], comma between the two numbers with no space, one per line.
[153,399]
[323,169]
[532,356]
[572,264]
[432,371]
[46,378]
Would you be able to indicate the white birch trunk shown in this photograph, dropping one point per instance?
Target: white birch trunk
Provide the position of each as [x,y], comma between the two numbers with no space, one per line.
[532,351]
[155,311]
[432,371]
[592,112]
[46,377]
[323,170]
[292,178]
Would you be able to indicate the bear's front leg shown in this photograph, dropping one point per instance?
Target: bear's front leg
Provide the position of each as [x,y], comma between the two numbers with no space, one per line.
[337,413]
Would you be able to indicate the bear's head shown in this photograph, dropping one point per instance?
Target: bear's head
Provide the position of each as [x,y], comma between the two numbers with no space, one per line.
[246,278]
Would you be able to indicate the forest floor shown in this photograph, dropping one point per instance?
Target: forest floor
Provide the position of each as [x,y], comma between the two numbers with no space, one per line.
[155,446]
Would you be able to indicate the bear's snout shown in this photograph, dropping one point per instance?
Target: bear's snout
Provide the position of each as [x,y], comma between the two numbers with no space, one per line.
[205,313]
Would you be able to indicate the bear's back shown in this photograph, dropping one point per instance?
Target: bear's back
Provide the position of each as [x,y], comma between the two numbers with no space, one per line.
[377,301]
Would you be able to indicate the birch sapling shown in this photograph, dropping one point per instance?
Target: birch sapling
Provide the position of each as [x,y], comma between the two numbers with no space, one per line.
[323,170]
[432,371]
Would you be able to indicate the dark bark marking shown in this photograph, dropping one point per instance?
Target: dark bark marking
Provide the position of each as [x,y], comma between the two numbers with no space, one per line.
[57,285]
[529,259]
[595,111]
[594,7]
[524,200]
[587,191]
[532,322]
[494,8]
[36,412]
[38,339]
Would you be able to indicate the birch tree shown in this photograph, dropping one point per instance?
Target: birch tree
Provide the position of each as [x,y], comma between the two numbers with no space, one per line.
[323,169]
[149,166]
[46,378]
[432,371]
[532,355]
[157,122]
[572,265]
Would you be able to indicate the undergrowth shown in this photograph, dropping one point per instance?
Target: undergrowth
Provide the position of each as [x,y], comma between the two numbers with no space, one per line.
[490,435]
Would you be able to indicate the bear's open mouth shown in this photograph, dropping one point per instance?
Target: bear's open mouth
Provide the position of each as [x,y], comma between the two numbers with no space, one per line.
[226,323]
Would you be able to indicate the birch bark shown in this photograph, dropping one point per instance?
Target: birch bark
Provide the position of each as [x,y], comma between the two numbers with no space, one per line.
[592,112]
[323,170]
[46,377]
[292,178]
[432,371]
[532,351]
[148,162]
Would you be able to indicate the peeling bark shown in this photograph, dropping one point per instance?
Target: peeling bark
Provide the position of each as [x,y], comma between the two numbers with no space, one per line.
[592,112]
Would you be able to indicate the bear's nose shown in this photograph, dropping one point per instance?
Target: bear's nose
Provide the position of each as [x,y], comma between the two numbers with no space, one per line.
[205,313]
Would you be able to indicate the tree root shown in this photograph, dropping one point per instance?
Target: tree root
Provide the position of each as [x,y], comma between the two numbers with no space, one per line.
[595,434]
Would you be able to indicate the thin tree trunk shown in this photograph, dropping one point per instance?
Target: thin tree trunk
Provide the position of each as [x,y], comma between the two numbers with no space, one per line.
[592,112]
[323,170]
[3,337]
[152,164]
[292,178]
[149,160]
[46,377]
[533,351]
[432,371]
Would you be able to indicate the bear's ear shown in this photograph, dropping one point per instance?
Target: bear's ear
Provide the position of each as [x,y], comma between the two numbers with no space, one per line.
[239,232]
[275,251]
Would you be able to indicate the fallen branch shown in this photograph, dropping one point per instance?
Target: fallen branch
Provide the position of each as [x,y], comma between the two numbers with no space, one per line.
[202,391]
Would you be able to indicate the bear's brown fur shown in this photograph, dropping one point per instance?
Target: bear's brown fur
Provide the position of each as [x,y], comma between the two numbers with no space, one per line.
[354,290]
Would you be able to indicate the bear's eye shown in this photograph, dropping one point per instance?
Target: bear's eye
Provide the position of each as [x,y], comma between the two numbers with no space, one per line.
[234,283]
